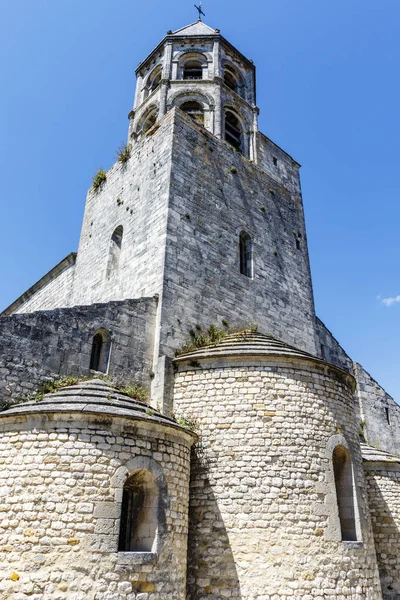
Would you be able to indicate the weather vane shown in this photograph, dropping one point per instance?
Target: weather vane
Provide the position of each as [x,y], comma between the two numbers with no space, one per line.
[200,10]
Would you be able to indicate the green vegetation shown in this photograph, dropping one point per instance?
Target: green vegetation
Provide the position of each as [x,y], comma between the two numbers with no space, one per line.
[200,338]
[124,153]
[186,421]
[233,170]
[263,209]
[133,390]
[99,179]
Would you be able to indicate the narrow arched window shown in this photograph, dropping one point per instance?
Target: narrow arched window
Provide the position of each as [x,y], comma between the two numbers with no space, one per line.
[246,254]
[114,251]
[100,354]
[195,110]
[233,131]
[193,70]
[230,79]
[155,80]
[147,121]
[345,493]
[139,513]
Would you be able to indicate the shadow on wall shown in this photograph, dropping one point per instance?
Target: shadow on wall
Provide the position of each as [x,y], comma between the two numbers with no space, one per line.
[212,571]
[384,502]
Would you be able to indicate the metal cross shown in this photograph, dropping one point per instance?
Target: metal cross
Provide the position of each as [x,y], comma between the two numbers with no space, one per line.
[200,10]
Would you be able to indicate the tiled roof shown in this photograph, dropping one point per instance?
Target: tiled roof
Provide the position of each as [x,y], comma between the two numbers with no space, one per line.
[93,396]
[247,344]
[198,28]
[370,454]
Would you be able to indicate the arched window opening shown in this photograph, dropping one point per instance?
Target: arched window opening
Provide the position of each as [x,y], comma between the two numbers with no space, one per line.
[246,254]
[193,70]
[230,79]
[100,351]
[154,80]
[139,513]
[233,131]
[195,110]
[345,493]
[115,251]
[149,121]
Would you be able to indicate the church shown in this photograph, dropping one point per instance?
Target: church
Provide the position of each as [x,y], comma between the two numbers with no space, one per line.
[175,421]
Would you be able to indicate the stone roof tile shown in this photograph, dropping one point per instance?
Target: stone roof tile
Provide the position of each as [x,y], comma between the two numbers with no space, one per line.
[92,396]
[197,28]
[370,454]
[247,343]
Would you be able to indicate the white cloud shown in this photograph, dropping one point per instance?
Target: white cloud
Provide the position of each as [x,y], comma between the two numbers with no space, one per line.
[390,301]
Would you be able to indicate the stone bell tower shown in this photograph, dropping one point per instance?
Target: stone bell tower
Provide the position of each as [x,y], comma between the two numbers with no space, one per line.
[207,212]
[204,213]
[199,71]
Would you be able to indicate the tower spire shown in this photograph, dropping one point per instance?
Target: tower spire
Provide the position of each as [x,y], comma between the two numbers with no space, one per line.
[199,8]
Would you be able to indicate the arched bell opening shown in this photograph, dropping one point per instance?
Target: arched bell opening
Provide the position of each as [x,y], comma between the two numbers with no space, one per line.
[234,131]
[195,110]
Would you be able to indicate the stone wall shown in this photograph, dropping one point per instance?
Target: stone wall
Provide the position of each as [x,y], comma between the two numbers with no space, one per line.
[278,164]
[57,343]
[61,483]
[215,194]
[384,501]
[135,196]
[53,290]
[380,414]
[56,294]
[264,521]
[329,348]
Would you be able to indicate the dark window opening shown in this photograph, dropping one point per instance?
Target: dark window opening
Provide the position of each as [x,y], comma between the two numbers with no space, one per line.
[322,351]
[193,70]
[233,131]
[246,254]
[345,493]
[139,513]
[194,110]
[298,246]
[387,415]
[149,122]
[230,80]
[96,351]
[99,357]
[275,161]
[155,81]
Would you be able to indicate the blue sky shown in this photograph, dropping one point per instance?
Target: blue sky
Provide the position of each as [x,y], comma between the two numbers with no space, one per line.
[328,90]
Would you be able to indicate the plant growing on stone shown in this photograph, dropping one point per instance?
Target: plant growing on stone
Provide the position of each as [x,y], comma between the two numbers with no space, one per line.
[99,179]
[124,153]
[186,421]
[4,404]
[135,391]
[200,338]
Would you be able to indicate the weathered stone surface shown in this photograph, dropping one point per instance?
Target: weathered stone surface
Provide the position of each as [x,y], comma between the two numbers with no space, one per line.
[264,521]
[54,537]
[58,343]
[383,480]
